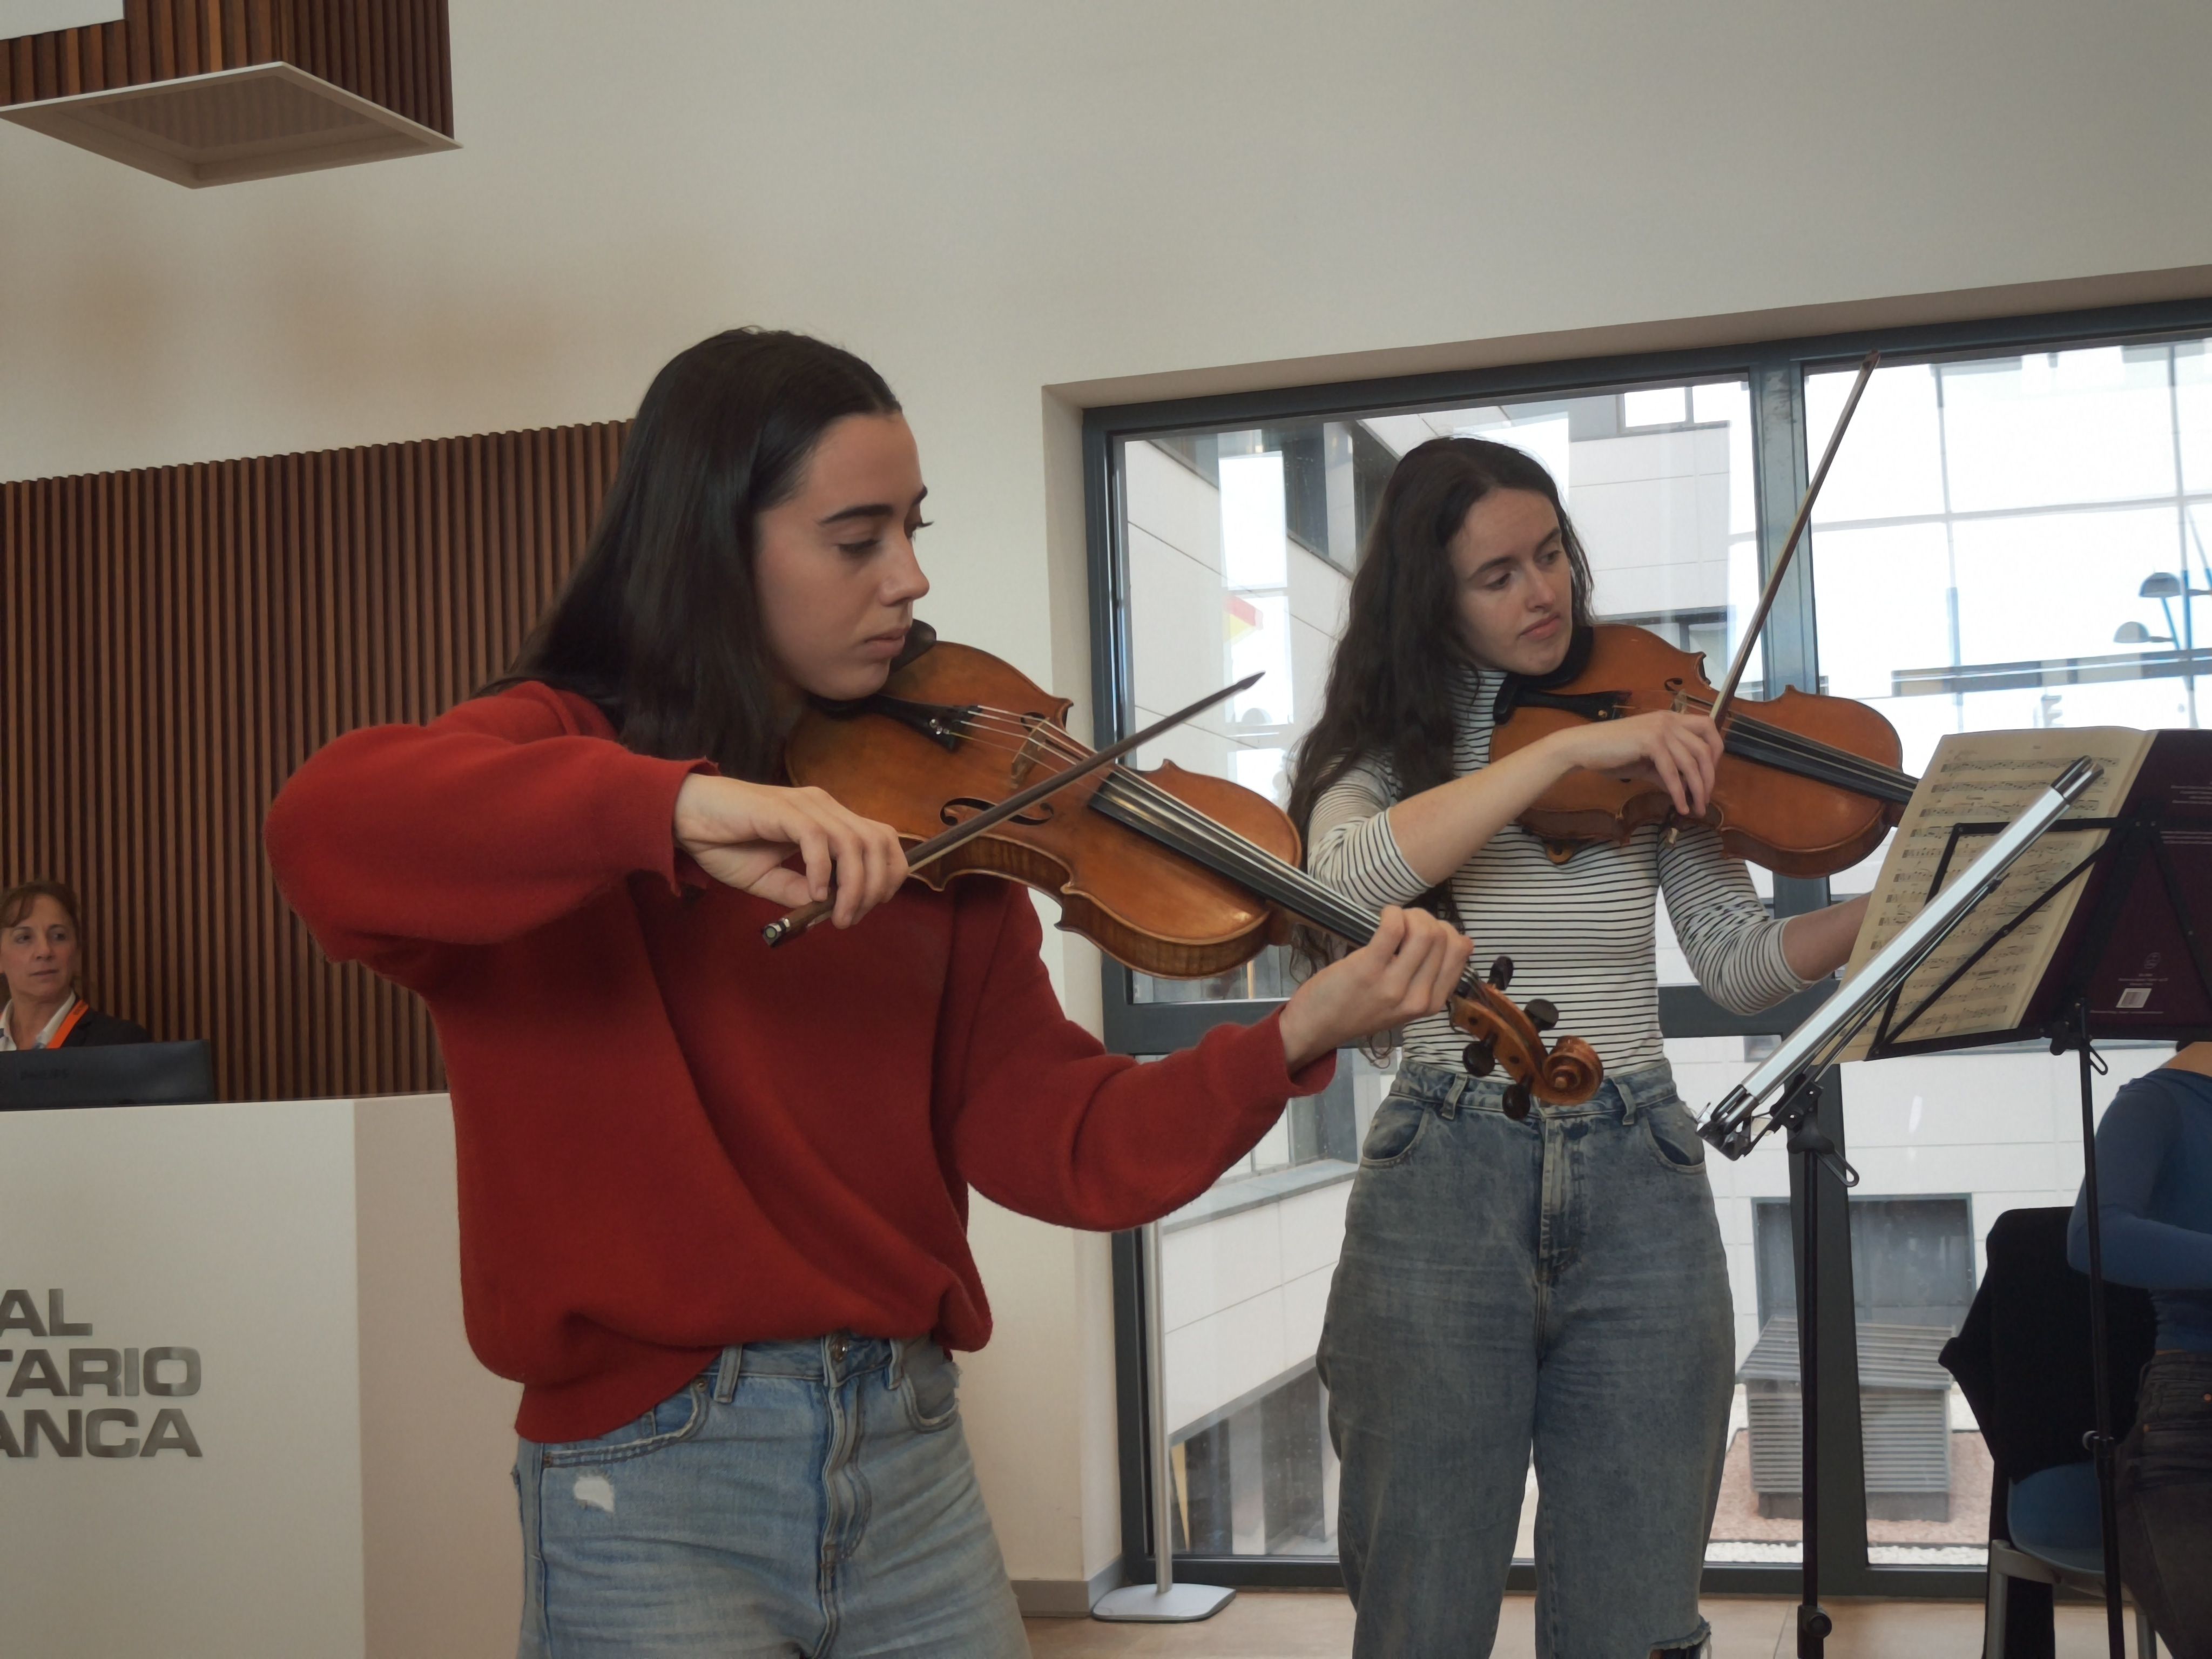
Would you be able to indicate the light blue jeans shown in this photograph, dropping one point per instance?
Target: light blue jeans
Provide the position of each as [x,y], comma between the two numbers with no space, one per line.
[1555,1285]
[799,1499]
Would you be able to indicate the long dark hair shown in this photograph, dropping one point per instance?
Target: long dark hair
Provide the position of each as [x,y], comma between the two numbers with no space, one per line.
[659,623]
[1389,691]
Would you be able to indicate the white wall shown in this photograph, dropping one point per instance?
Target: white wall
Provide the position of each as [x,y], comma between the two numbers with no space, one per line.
[995,200]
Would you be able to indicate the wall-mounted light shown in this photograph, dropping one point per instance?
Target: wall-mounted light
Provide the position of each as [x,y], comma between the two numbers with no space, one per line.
[207,93]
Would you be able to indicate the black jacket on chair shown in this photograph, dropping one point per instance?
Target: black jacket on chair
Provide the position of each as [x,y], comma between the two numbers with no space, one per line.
[2022,1359]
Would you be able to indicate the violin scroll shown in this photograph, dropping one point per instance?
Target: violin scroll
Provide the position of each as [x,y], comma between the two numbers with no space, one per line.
[1502,1032]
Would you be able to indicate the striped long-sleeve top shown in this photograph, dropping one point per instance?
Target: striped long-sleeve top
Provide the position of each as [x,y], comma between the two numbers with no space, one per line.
[1580,935]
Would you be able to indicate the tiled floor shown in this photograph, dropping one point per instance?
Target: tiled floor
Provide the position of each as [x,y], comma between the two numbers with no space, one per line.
[1317,1625]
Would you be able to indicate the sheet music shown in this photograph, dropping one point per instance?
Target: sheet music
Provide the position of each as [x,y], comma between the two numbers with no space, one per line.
[1988,777]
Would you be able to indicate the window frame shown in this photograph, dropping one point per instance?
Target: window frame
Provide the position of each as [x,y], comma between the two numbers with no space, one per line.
[1776,370]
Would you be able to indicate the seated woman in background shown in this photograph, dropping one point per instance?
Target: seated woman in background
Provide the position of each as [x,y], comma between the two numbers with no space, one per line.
[2155,1190]
[39,943]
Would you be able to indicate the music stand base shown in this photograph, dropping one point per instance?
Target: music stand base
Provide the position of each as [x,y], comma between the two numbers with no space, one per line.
[1147,1604]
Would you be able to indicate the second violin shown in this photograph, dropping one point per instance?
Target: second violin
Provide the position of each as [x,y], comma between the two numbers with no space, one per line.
[1807,784]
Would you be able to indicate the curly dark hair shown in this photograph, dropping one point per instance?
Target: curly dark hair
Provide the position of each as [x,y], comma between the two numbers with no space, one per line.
[1390,693]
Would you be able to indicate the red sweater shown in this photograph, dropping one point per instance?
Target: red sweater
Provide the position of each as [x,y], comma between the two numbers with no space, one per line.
[669,1139]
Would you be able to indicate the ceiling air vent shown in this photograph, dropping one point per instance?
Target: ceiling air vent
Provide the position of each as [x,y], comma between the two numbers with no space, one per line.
[211,92]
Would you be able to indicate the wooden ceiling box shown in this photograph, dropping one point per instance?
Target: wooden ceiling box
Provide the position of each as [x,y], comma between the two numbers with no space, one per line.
[211,92]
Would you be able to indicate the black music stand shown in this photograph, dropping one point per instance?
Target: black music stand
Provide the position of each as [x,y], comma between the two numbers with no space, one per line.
[1811,1151]
[1735,1125]
[2144,889]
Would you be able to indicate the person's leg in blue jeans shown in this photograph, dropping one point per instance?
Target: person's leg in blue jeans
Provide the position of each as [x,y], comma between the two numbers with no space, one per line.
[1637,1369]
[2165,1490]
[809,1498]
[1557,1281]
[1428,1355]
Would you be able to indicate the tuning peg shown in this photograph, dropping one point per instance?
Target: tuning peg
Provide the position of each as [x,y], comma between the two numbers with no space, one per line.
[1479,1059]
[1541,1014]
[1501,973]
[1517,1101]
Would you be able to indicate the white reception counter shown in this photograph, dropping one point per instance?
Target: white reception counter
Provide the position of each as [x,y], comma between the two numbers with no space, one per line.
[240,1417]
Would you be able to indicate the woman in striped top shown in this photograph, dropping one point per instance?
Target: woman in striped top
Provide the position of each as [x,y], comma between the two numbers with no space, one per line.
[1555,1285]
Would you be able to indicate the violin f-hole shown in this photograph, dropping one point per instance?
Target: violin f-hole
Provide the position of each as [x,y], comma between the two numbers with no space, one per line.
[960,808]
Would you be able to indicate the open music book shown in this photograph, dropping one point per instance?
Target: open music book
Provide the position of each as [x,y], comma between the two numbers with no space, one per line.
[2142,980]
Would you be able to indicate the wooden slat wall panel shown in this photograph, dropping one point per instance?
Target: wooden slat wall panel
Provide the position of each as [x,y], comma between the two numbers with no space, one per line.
[174,642]
[393,52]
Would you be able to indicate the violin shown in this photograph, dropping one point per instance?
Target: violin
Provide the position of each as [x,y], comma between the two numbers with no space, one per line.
[1806,785]
[1172,873]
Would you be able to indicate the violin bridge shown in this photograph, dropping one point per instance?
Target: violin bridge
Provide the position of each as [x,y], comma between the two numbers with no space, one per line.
[1032,750]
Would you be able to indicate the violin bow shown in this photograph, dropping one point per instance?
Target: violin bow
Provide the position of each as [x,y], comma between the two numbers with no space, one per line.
[1789,547]
[791,925]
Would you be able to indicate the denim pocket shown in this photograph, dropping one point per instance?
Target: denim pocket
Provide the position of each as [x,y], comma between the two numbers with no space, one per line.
[2173,1451]
[1397,1126]
[930,1388]
[1673,1133]
[677,1417]
[2173,1441]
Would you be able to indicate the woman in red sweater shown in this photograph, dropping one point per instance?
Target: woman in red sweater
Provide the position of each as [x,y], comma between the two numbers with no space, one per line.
[713,1202]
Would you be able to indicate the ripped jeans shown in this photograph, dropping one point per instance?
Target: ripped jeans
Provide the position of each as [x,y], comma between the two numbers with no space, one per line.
[1556,1285]
[807,1499]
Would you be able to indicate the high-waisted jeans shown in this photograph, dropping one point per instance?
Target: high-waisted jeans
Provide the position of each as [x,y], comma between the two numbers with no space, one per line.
[1557,1284]
[797,1498]
[2164,1489]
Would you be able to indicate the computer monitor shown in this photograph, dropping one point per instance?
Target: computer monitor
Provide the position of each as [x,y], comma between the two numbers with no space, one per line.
[123,1074]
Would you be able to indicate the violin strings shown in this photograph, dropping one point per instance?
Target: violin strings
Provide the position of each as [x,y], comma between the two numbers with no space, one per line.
[1166,816]
[1835,765]
[1841,764]
[1811,749]
[1169,818]
[1221,848]
[1895,788]
[1822,759]
[1268,874]
[1759,741]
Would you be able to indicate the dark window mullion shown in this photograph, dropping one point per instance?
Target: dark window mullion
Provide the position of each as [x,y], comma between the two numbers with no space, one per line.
[1779,449]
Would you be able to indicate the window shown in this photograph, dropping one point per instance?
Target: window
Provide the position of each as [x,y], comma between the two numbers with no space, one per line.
[1240,543]
[2013,534]
[2017,541]
[2009,539]
[1247,1267]
[1912,1276]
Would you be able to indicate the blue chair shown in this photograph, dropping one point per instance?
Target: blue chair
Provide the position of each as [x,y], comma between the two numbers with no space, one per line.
[2057,1538]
